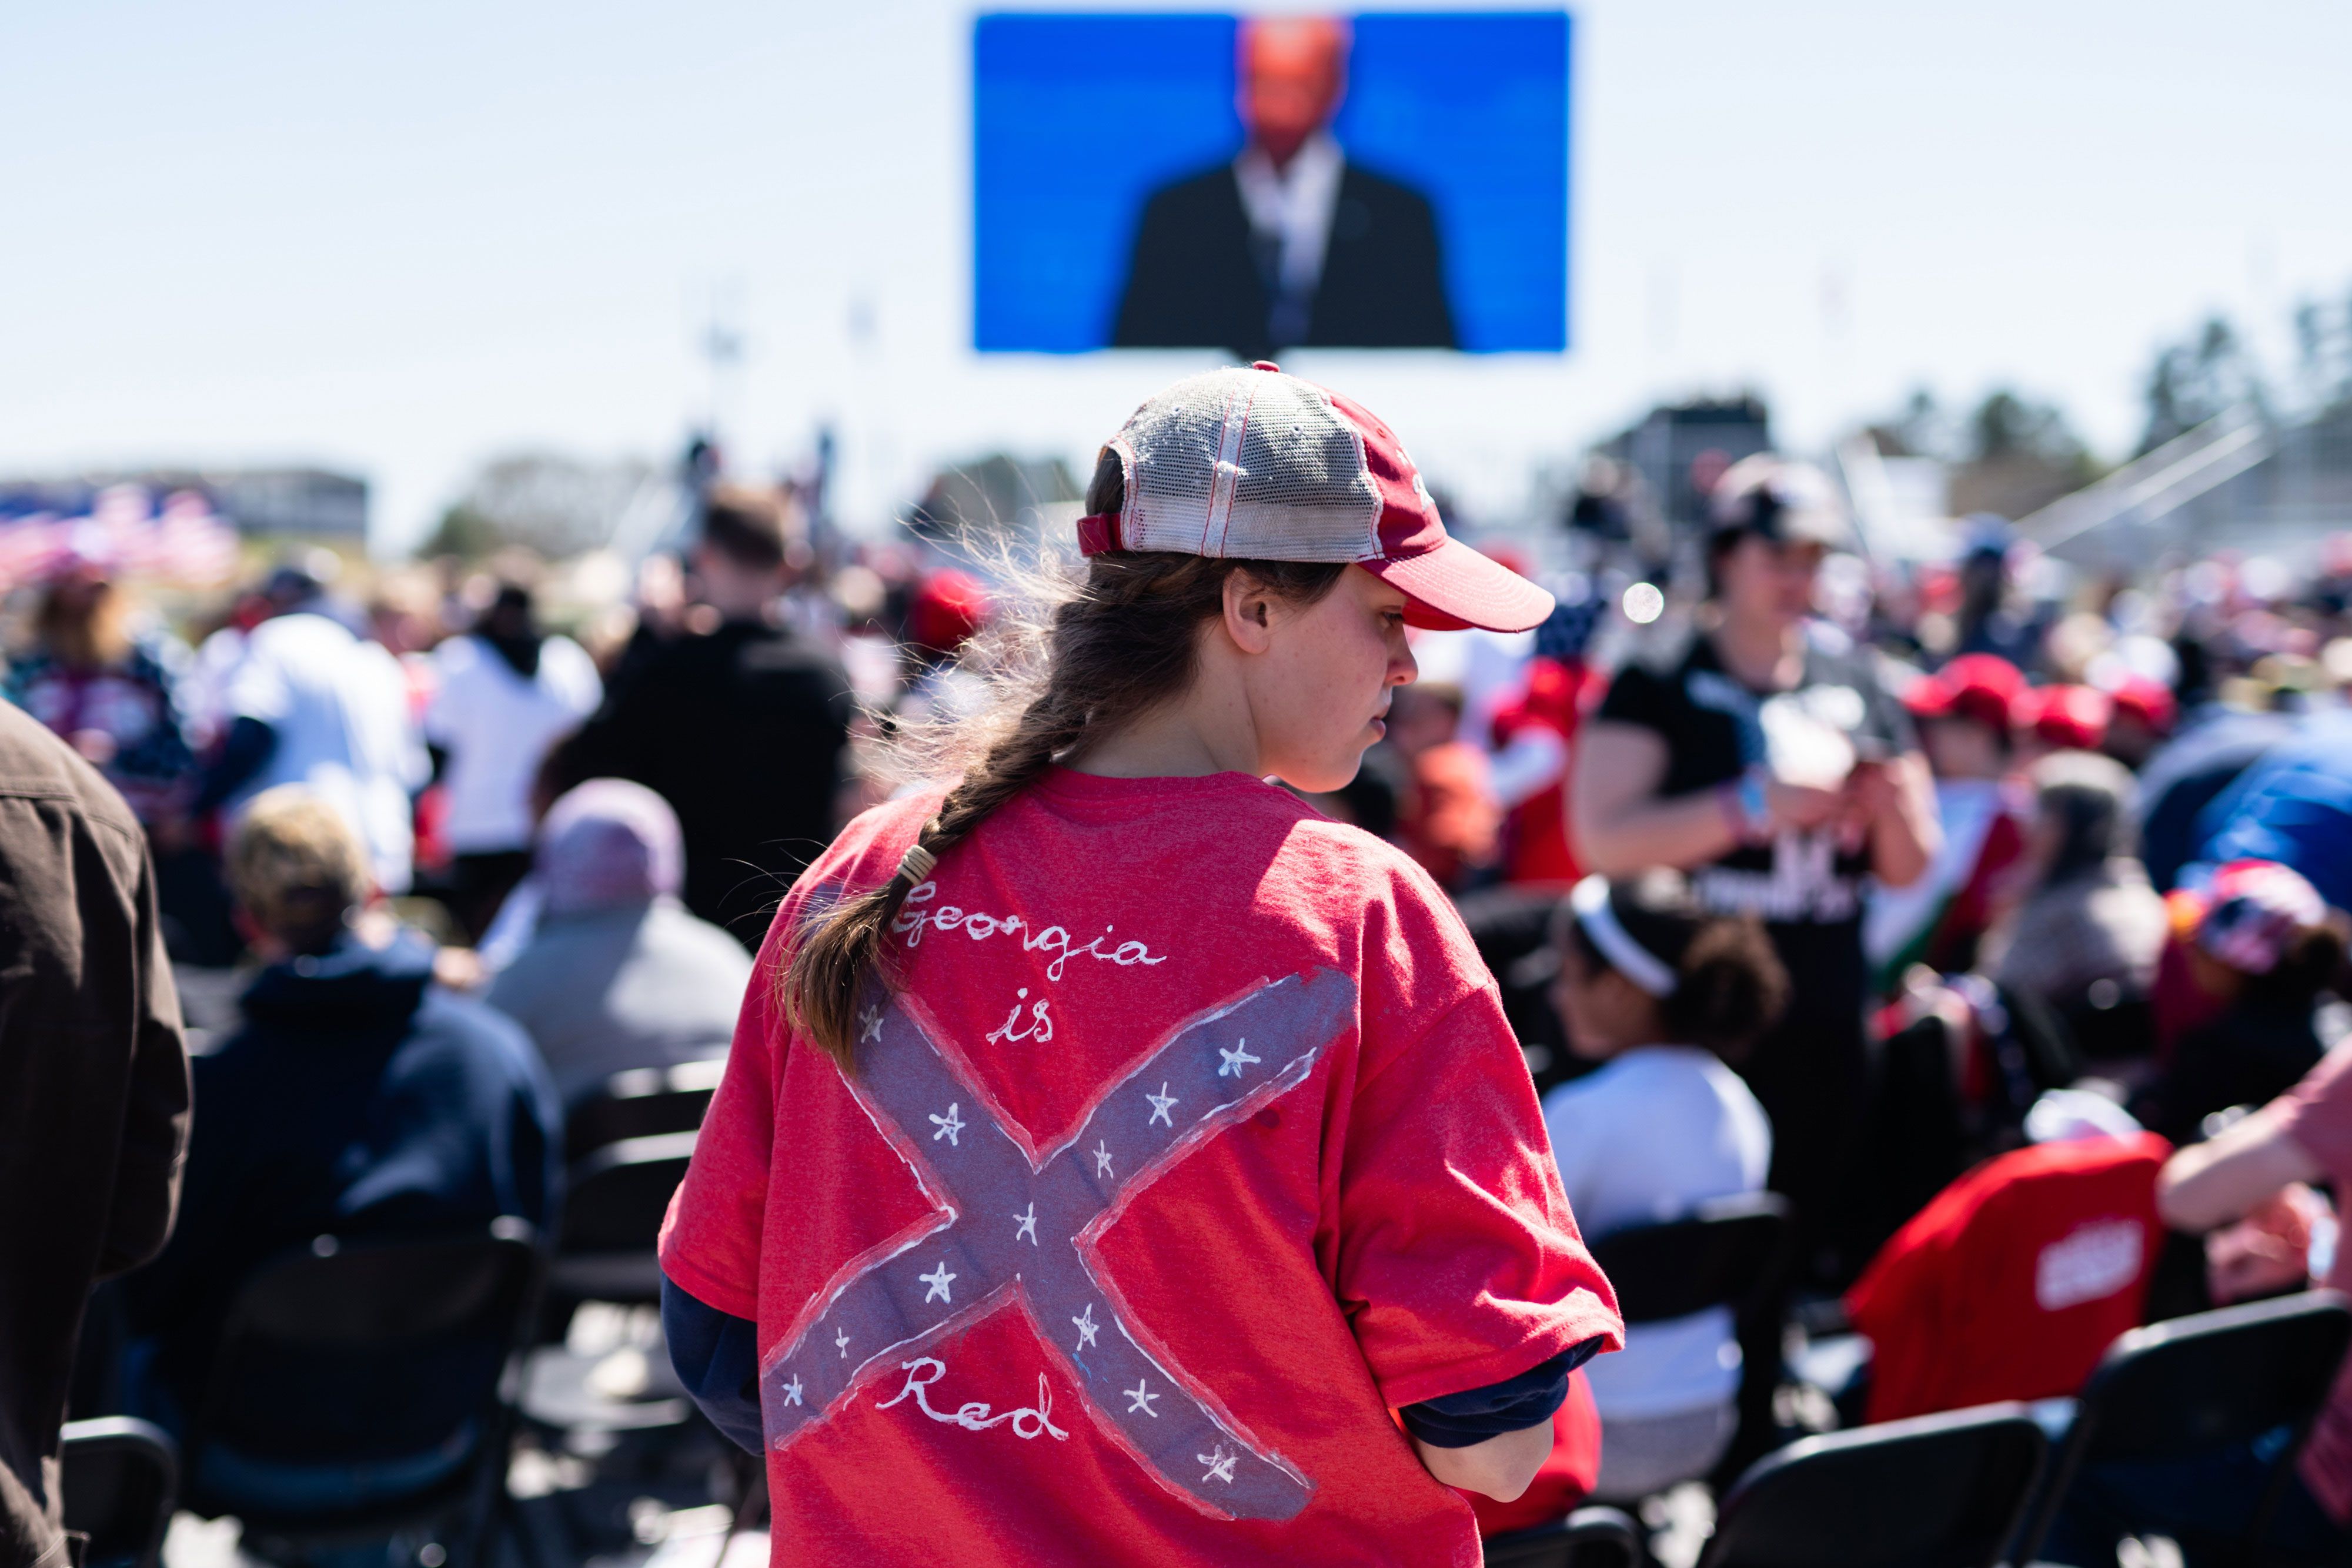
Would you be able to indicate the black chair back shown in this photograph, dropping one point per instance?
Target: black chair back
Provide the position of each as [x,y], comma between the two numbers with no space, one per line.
[614,1203]
[615,1198]
[1730,1252]
[121,1480]
[2194,1385]
[640,1104]
[1588,1538]
[363,1350]
[1940,1491]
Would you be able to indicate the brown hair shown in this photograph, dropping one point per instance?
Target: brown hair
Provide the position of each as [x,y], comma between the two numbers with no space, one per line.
[97,639]
[1729,984]
[1115,646]
[747,525]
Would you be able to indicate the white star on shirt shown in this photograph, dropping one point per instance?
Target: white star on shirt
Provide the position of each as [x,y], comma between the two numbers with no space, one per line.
[841,1343]
[938,1280]
[1159,1104]
[793,1390]
[1086,1327]
[1139,1397]
[949,1126]
[873,1016]
[1027,1225]
[1102,1158]
[1235,1059]
[1220,1463]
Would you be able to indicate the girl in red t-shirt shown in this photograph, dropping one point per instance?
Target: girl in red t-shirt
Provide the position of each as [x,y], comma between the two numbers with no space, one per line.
[1117,1161]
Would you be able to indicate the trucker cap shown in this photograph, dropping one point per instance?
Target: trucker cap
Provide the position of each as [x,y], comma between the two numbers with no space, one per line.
[1256,465]
[1784,501]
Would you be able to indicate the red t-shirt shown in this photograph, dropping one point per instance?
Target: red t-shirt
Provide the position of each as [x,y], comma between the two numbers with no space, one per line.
[1193,1142]
[1557,694]
[2013,1282]
[2318,1114]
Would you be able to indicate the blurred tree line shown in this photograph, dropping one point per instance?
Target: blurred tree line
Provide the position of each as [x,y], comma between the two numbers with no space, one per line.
[2009,455]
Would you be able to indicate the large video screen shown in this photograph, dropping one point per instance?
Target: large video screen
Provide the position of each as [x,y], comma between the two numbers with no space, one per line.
[1385,181]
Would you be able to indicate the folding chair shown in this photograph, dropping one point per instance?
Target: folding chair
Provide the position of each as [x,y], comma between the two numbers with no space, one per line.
[1729,1253]
[122,1480]
[359,1393]
[614,1202]
[641,1103]
[1732,1253]
[2191,1385]
[1940,1491]
[1588,1538]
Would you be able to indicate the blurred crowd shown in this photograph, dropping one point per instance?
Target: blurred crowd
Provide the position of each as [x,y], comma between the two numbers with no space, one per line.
[2024,884]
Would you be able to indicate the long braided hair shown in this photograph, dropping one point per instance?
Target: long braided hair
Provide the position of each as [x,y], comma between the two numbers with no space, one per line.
[1114,646]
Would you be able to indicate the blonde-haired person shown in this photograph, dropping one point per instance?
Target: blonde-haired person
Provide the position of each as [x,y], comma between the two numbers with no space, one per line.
[358,1098]
[1661,993]
[1110,1143]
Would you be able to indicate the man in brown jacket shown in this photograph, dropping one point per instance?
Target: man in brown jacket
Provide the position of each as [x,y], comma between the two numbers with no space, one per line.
[93,1096]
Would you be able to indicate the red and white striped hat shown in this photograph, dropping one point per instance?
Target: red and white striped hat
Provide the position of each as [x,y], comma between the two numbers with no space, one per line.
[1258,466]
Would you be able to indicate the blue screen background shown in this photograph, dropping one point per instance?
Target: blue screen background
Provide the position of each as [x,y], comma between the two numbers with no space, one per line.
[1077,118]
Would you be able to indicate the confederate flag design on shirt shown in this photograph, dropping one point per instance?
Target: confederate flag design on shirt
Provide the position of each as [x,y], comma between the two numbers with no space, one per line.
[1190,1143]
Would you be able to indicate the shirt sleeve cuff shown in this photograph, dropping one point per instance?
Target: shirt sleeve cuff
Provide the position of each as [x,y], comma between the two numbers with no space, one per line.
[1461,1420]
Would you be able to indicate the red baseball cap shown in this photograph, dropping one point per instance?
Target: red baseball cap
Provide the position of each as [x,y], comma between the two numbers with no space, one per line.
[1979,686]
[946,608]
[2070,717]
[1255,464]
[2150,702]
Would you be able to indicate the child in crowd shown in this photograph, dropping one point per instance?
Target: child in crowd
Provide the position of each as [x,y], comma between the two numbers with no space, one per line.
[1111,1143]
[1659,990]
[1448,820]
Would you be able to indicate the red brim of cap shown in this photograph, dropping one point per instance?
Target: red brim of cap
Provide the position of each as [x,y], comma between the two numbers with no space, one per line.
[1929,698]
[1454,587]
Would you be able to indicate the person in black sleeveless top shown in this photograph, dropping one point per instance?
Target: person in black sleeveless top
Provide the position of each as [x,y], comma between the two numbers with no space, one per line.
[1771,761]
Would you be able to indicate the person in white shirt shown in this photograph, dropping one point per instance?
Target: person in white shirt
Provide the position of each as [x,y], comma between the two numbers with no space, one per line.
[503,695]
[1659,990]
[310,702]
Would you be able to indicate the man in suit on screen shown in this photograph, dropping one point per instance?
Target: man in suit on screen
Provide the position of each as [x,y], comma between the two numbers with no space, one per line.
[1291,244]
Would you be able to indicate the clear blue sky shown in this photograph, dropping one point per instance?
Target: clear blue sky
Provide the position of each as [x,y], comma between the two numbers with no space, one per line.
[404,238]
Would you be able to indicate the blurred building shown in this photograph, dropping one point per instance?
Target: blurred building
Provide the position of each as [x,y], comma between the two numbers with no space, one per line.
[1680,450]
[300,503]
[1022,496]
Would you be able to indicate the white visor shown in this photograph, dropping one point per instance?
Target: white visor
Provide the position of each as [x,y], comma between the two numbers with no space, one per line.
[1589,902]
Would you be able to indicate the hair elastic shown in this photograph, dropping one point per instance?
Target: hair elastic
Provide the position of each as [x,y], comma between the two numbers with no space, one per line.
[1589,902]
[917,862]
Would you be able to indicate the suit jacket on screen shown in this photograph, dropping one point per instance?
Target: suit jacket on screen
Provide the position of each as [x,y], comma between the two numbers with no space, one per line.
[1192,282]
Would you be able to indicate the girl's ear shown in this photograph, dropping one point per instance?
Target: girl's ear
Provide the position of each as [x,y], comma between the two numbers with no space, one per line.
[1250,608]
